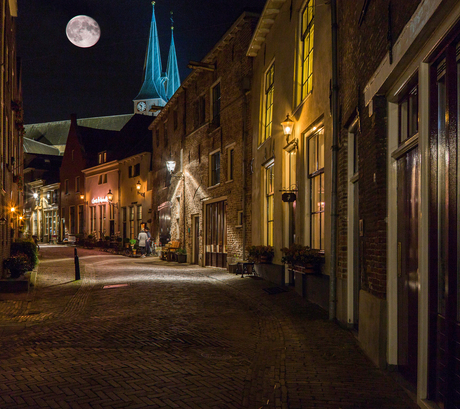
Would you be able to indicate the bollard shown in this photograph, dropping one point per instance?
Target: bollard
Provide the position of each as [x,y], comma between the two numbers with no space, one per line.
[77,266]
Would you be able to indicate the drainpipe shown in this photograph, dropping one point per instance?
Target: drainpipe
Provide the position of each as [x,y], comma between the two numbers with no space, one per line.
[243,170]
[335,133]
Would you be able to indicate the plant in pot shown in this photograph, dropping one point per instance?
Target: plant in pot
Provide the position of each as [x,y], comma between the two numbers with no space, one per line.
[181,255]
[17,264]
[302,257]
[260,254]
[132,243]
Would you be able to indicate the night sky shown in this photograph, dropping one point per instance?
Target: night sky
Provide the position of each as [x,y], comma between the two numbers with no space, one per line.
[59,78]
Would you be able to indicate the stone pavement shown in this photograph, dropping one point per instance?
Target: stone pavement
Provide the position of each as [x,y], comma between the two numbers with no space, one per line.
[143,333]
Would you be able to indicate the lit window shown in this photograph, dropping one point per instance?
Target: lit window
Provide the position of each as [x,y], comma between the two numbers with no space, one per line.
[306,50]
[268,103]
[102,157]
[214,168]
[270,202]
[316,176]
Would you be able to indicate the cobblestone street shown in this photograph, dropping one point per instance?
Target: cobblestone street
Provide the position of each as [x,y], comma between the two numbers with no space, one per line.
[138,333]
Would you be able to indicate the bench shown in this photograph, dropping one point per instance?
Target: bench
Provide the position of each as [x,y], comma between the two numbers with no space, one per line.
[170,249]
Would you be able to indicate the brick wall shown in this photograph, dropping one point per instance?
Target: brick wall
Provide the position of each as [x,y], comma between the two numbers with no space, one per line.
[197,141]
[361,49]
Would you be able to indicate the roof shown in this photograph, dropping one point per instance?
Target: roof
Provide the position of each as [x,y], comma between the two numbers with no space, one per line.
[172,70]
[93,141]
[153,86]
[31,146]
[56,133]
[267,19]
[39,166]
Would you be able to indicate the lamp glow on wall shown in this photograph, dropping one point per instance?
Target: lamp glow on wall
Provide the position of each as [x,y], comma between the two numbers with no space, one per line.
[288,126]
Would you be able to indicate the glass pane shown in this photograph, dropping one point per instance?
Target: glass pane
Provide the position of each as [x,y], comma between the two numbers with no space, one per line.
[413,112]
[312,165]
[316,194]
[321,149]
[403,128]
[315,231]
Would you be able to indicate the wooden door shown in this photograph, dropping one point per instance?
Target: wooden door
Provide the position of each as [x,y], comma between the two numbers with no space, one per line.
[408,276]
[196,240]
[444,230]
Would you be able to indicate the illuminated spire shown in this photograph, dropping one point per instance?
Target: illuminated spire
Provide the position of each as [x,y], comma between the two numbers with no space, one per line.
[172,70]
[153,86]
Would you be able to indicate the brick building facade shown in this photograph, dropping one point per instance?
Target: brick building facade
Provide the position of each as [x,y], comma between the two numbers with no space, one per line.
[398,189]
[204,128]
[11,132]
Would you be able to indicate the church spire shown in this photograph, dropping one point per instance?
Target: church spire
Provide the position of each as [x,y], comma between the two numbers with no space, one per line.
[172,70]
[153,89]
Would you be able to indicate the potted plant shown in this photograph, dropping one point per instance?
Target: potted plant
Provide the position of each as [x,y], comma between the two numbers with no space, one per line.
[302,258]
[260,254]
[17,264]
[181,255]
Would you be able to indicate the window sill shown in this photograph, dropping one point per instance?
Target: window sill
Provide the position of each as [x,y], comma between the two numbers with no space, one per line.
[229,181]
[214,186]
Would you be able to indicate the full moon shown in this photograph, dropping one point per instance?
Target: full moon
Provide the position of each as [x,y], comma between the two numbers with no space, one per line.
[83,31]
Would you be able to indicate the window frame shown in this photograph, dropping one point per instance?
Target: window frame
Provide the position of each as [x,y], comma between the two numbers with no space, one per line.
[216,103]
[269,181]
[305,55]
[312,176]
[214,171]
[268,102]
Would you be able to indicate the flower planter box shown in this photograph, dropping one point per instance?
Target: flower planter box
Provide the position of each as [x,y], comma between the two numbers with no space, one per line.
[181,258]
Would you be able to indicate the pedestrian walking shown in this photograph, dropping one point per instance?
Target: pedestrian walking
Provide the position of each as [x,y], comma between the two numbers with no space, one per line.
[142,237]
[148,248]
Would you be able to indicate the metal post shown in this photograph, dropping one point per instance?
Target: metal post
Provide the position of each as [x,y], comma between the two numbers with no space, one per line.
[77,266]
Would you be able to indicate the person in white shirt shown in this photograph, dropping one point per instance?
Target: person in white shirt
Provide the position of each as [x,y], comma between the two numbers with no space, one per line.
[142,237]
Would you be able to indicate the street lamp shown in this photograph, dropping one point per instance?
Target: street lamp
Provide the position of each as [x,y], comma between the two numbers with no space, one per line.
[138,188]
[171,165]
[288,125]
[110,198]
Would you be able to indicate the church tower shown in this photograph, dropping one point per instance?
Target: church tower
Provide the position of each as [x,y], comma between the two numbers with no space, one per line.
[153,93]
[172,71]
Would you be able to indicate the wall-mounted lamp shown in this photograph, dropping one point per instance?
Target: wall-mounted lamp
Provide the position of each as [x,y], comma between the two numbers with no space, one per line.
[110,198]
[35,195]
[82,197]
[171,166]
[138,188]
[288,125]
[13,209]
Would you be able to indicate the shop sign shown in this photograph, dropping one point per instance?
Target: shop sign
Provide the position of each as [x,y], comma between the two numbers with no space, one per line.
[96,200]
[288,197]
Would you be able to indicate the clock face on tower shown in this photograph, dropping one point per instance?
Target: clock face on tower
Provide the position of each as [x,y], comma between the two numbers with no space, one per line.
[141,106]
